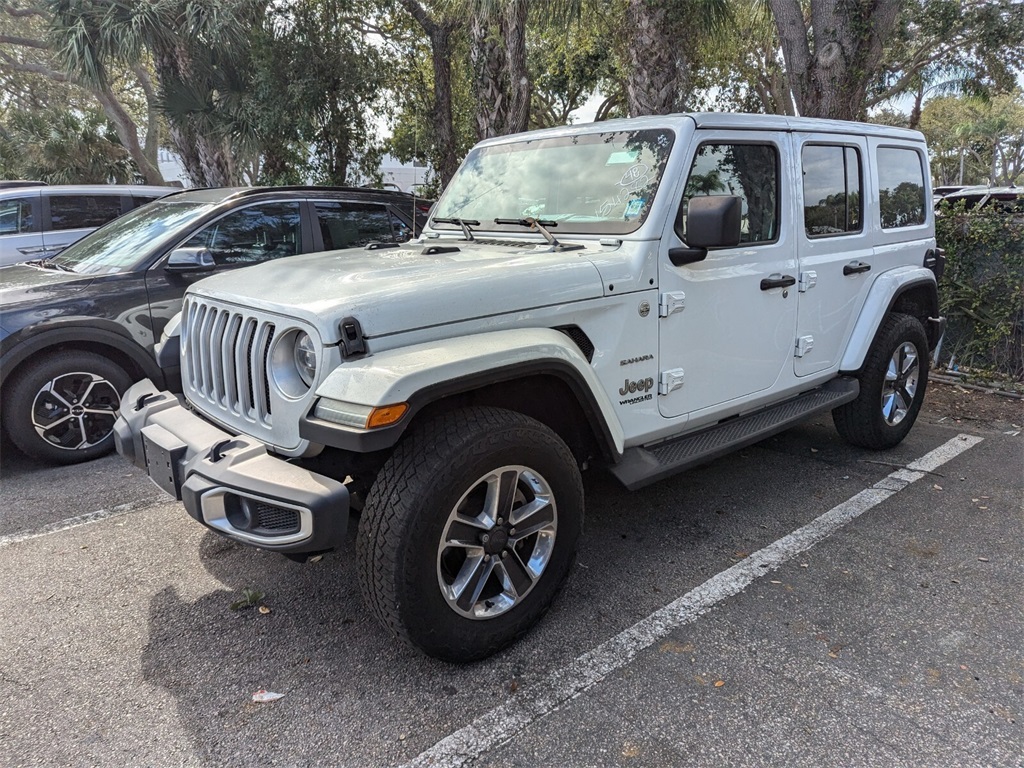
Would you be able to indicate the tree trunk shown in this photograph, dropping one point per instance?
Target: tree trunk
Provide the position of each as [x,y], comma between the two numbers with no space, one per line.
[657,80]
[440,34]
[501,81]
[513,27]
[832,56]
[128,133]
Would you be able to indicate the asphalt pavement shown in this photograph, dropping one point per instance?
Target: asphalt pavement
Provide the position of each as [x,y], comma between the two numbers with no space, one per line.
[799,603]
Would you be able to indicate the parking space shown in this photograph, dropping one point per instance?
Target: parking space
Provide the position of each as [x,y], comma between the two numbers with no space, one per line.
[891,639]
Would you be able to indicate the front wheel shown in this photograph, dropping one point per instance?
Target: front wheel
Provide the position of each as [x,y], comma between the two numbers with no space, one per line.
[469,532]
[892,386]
[62,407]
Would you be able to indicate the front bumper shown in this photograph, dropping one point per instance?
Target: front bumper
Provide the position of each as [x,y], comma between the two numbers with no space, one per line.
[229,483]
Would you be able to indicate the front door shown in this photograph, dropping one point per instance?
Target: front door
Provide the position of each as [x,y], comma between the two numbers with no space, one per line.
[728,324]
[243,237]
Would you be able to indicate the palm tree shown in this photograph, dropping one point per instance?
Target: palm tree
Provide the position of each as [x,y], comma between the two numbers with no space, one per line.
[190,44]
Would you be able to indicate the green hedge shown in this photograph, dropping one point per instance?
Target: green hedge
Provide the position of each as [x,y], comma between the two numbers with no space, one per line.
[982,291]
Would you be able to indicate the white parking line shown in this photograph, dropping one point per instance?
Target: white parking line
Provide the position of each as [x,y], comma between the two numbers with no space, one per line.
[86,519]
[502,723]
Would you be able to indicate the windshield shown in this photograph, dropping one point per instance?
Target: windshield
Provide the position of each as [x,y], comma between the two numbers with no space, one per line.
[591,183]
[127,242]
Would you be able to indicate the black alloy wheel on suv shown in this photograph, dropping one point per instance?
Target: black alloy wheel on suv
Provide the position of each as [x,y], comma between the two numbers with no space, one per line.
[78,328]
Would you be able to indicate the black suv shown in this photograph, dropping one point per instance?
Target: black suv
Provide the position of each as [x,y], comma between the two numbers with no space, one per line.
[78,328]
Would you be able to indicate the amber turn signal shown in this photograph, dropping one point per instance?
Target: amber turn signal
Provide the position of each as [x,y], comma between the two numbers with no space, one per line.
[385,415]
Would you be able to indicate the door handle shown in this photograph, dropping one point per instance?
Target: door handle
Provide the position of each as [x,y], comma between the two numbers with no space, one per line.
[777,281]
[855,268]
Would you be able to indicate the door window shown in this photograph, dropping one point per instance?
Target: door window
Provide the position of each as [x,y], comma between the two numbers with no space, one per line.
[748,171]
[351,225]
[16,216]
[83,211]
[252,235]
[900,187]
[832,196]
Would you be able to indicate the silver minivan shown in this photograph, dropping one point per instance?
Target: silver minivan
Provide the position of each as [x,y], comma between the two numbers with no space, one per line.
[37,222]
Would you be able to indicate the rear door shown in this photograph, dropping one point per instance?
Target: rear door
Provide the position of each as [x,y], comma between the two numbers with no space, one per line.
[728,321]
[344,224]
[836,257]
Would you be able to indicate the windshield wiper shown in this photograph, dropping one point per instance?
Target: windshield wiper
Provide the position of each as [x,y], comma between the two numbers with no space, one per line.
[49,264]
[464,223]
[541,225]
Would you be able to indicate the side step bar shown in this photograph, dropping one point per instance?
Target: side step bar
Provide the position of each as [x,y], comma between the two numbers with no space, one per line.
[647,464]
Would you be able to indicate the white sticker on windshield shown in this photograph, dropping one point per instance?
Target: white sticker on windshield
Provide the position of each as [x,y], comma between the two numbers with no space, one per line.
[634,206]
[619,158]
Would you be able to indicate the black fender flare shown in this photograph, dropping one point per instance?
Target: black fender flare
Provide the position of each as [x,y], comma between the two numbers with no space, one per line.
[20,346]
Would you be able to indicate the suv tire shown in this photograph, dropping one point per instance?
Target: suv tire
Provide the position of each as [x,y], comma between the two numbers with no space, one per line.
[71,397]
[892,386]
[435,566]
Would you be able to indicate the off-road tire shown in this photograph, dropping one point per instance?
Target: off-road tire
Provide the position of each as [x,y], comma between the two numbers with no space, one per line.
[862,422]
[407,511]
[21,396]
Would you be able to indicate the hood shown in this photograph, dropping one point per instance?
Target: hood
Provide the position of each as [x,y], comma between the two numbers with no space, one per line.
[22,284]
[401,289]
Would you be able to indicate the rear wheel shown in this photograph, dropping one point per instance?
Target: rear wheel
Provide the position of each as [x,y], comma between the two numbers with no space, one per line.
[469,532]
[62,408]
[892,386]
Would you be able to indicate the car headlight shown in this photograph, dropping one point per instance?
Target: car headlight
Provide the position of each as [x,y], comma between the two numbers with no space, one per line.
[304,354]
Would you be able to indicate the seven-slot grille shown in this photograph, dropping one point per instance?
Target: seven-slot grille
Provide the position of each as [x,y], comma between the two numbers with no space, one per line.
[226,355]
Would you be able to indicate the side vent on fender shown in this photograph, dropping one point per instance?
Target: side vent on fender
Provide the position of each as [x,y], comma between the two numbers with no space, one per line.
[580,339]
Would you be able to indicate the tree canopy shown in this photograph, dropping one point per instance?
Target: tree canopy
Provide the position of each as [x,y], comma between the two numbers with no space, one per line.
[261,91]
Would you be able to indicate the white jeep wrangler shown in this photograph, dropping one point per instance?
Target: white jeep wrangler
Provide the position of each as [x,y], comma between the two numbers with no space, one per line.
[643,295]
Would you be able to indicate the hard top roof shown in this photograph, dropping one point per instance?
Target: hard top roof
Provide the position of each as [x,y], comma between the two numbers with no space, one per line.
[725,121]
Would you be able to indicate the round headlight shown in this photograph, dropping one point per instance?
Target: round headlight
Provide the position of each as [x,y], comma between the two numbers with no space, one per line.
[305,358]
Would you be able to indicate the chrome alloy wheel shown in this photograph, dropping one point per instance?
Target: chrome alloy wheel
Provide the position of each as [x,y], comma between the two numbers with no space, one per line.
[900,383]
[497,542]
[75,410]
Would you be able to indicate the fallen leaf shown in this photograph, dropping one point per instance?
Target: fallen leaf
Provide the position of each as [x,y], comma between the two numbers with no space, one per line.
[264,610]
[937,487]
[263,696]
[513,686]
[719,683]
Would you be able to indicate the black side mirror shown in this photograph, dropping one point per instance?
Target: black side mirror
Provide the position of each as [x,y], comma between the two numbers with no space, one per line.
[190,260]
[712,221]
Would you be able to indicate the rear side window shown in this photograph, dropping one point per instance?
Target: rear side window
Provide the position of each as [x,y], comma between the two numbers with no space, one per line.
[16,216]
[83,211]
[900,187]
[352,225]
[749,171]
[832,194]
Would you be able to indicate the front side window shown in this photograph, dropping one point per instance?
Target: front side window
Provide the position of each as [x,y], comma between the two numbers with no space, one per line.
[16,216]
[748,171]
[590,183]
[900,187]
[252,235]
[832,194]
[83,211]
[352,225]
